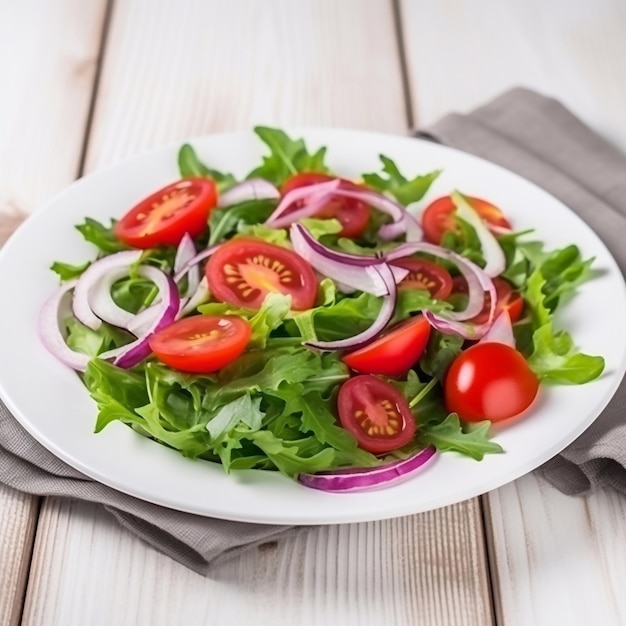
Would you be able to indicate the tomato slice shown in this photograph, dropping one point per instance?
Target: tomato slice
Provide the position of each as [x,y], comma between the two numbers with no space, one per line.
[165,216]
[244,270]
[352,214]
[438,217]
[489,381]
[394,353]
[376,413]
[201,344]
[426,275]
[507,298]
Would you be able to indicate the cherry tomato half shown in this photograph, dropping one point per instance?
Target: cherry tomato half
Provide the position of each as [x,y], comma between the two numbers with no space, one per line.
[507,298]
[165,216]
[244,270]
[489,381]
[352,214]
[376,413]
[201,344]
[426,275]
[394,353]
[438,217]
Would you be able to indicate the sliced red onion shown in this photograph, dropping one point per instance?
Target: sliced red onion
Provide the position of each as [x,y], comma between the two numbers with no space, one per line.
[129,355]
[477,281]
[499,230]
[253,189]
[384,315]
[383,203]
[185,252]
[204,254]
[495,261]
[200,296]
[348,270]
[91,276]
[361,479]
[501,331]
[49,330]
[467,330]
[316,196]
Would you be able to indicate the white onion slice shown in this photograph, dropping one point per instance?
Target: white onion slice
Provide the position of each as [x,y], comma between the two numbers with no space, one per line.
[495,261]
[91,276]
[501,331]
[50,331]
[203,254]
[384,316]
[360,479]
[129,355]
[102,303]
[253,189]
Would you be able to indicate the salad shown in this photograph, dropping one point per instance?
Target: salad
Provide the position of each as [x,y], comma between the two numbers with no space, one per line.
[343,332]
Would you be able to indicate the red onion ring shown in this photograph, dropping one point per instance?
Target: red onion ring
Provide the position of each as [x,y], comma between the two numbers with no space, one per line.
[129,355]
[252,189]
[346,269]
[501,331]
[317,195]
[384,315]
[360,479]
[185,252]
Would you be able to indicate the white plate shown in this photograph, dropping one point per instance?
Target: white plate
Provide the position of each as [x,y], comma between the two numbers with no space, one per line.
[52,404]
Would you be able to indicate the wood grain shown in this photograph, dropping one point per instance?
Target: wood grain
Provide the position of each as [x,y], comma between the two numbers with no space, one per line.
[554,559]
[413,570]
[48,50]
[558,559]
[174,72]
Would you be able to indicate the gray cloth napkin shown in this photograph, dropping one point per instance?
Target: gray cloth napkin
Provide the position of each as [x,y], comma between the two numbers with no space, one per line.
[542,141]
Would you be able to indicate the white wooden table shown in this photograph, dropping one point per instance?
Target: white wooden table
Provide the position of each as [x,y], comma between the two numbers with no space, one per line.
[84,83]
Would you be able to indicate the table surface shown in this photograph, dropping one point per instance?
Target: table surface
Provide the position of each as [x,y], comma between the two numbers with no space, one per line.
[84,83]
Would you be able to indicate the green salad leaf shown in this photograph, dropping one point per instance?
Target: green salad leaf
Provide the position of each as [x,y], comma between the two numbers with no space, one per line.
[101,236]
[405,190]
[287,157]
[191,166]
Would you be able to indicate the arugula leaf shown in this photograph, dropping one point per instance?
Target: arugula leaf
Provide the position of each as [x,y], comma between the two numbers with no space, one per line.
[242,410]
[92,342]
[273,311]
[471,440]
[102,237]
[289,458]
[556,359]
[190,166]
[67,271]
[405,191]
[226,221]
[287,157]
[440,351]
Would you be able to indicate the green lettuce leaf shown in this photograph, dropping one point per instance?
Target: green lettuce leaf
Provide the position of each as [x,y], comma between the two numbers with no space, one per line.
[190,166]
[405,191]
[470,439]
[287,157]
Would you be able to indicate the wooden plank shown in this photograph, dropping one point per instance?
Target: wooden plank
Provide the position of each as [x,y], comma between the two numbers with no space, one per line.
[558,559]
[309,63]
[460,54]
[48,51]
[413,570]
[555,559]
